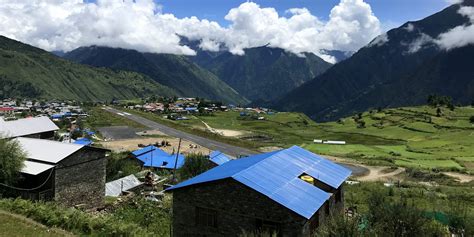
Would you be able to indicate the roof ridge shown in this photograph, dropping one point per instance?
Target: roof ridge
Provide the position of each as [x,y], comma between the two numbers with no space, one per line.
[275,152]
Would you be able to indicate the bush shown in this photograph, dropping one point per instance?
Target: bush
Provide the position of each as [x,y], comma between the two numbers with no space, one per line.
[72,220]
[119,165]
[11,162]
[194,165]
[471,119]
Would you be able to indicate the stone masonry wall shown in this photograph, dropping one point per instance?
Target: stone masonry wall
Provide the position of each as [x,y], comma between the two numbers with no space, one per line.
[238,208]
[80,179]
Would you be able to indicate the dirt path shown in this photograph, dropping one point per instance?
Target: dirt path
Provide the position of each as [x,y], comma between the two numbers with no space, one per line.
[375,173]
[462,178]
[223,132]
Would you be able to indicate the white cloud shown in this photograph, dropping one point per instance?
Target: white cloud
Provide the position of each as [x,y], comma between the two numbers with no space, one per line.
[461,35]
[379,40]
[419,43]
[141,25]
[410,27]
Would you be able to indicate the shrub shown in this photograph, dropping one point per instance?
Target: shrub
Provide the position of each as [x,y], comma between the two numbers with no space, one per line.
[11,162]
[72,220]
[194,165]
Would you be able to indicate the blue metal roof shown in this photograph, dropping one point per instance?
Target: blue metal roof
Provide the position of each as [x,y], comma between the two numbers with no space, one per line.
[218,157]
[83,141]
[152,156]
[148,149]
[276,175]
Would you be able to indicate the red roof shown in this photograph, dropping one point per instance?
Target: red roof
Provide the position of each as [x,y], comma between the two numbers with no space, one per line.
[6,109]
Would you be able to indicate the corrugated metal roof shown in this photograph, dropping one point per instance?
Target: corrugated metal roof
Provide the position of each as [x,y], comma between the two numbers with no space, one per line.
[147,149]
[83,141]
[26,126]
[276,175]
[47,150]
[218,157]
[35,168]
[115,188]
[152,156]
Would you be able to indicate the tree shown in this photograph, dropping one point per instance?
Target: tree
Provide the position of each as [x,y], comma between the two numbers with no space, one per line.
[12,157]
[194,165]
[471,119]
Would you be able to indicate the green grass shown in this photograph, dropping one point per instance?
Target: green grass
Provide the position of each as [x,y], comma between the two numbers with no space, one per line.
[101,118]
[14,225]
[400,136]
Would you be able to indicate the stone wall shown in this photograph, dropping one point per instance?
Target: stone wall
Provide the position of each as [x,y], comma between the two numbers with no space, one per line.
[80,179]
[238,208]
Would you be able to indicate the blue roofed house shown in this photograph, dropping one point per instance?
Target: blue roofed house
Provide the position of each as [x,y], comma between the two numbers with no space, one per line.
[154,157]
[290,192]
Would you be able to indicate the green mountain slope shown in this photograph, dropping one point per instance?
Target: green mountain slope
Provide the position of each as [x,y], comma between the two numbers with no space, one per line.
[386,74]
[26,71]
[263,73]
[177,72]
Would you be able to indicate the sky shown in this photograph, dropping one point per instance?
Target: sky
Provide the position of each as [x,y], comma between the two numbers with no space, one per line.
[391,13]
[297,26]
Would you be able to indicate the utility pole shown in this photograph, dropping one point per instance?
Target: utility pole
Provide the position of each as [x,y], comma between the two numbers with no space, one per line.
[176,162]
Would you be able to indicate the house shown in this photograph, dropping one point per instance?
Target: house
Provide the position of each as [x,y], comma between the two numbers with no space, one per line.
[218,158]
[264,192]
[154,157]
[70,174]
[38,127]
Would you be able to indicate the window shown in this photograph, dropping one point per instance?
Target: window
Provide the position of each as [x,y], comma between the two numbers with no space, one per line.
[338,196]
[206,217]
[269,227]
[314,224]
[326,208]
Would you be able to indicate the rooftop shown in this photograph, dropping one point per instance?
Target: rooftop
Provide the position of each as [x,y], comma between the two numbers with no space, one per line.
[276,175]
[26,126]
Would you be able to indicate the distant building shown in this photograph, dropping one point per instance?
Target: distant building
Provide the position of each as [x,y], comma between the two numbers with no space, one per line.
[71,174]
[289,191]
[38,127]
[154,157]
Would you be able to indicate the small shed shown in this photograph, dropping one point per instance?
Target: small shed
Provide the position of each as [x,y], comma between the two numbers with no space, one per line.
[264,192]
[117,187]
[70,174]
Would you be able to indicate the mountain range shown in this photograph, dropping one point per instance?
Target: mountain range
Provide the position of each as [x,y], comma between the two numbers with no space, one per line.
[399,68]
[26,71]
[262,73]
[175,71]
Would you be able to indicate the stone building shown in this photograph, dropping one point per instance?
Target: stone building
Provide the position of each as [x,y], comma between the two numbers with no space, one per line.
[71,174]
[289,192]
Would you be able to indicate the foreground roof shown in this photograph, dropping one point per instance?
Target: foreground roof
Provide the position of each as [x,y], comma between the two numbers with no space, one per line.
[26,126]
[218,158]
[35,168]
[276,175]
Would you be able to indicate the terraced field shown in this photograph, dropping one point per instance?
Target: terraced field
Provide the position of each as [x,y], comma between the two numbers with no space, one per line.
[409,137]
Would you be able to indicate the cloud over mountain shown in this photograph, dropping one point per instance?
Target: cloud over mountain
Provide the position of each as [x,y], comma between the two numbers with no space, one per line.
[141,25]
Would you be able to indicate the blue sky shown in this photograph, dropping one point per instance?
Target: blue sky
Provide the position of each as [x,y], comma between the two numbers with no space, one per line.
[390,12]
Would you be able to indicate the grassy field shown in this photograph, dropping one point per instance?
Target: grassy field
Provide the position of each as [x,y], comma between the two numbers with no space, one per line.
[14,225]
[101,118]
[411,137]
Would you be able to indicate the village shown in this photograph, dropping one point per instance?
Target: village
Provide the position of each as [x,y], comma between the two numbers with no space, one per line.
[292,201]
[288,191]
